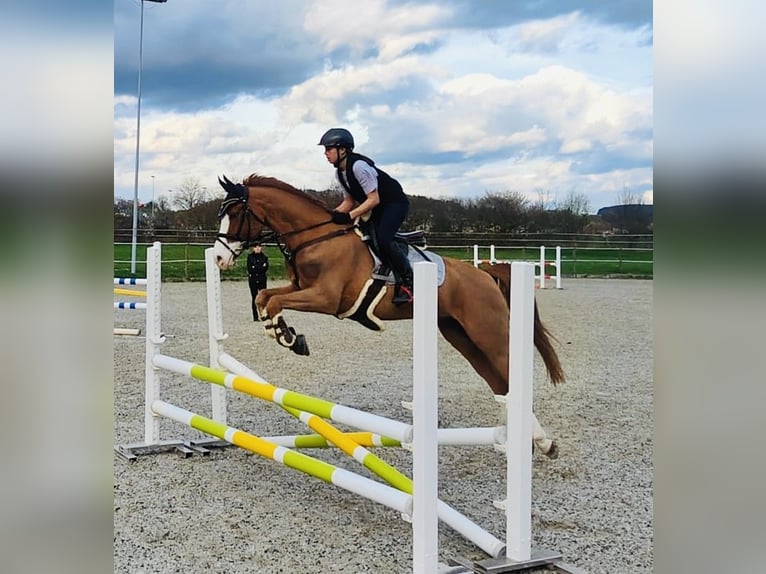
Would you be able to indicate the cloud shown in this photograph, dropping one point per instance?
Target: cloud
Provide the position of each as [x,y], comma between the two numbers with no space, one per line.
[379,26]
[556,101]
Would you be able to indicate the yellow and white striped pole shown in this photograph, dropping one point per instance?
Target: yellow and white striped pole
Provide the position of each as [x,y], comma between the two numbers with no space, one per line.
[133,292]
[345,479]
[325,409]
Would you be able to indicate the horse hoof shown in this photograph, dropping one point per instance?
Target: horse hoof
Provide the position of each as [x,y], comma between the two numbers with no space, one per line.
[553,452]
[300,347]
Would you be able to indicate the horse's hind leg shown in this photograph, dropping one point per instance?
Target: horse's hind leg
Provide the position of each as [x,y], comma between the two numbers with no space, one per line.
[453,331]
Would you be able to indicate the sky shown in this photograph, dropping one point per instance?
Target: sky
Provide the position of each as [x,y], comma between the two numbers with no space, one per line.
[454,98]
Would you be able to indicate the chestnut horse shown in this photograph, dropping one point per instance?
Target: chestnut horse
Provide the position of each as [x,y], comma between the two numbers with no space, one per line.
[330,270]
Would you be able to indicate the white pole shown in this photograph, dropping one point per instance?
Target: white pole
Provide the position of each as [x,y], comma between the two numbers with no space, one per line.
[356,483]
[425,523]
[153,341]
[492,258]
[339,413]
[518,504]
[138,138]
[216,336]
[558,267]
[475,255]
[542,267]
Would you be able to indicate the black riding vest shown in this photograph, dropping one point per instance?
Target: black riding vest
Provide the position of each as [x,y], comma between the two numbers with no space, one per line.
[389,190]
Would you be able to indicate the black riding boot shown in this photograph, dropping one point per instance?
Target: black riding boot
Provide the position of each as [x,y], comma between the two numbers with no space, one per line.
[403,291]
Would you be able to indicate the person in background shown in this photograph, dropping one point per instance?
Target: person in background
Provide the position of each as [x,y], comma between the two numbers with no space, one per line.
[257,266]
[367,188]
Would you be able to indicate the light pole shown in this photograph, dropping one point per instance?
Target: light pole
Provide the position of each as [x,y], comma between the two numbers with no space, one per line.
[152,203]
[138,136]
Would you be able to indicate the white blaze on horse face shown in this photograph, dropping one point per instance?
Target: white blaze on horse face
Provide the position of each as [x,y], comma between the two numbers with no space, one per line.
[225,257]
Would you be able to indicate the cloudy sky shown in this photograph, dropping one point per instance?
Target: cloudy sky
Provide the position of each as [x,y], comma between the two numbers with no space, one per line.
[455,98]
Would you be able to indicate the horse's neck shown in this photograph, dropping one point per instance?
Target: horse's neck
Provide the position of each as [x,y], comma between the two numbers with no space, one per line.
[287,213]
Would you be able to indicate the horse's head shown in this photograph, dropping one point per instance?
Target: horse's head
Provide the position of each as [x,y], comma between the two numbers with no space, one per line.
[239,225]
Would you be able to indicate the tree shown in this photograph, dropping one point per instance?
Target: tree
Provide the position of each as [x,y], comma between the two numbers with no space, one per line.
[576,203]
[189,194]
[628,197]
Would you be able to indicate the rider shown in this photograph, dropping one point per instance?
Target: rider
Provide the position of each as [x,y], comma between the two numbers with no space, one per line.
[367,188]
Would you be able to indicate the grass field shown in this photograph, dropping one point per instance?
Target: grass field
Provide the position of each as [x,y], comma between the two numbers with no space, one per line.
[185,261]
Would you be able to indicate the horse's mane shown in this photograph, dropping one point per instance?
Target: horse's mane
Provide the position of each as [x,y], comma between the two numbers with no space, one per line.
[255,180]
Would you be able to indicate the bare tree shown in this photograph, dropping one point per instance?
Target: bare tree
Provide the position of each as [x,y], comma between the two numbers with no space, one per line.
[576,203]
[628,197]
[546,199]
[189,194]
[162,203]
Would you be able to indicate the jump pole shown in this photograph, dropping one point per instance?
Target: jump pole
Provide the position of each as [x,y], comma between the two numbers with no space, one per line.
[127,331]
[129,304]
[251,383]
[350,481]
[390,431]
[132,292]
[216,336]
[425,459]
[153,442]
[556,263]
[518,503]
[154,339]
[518,406]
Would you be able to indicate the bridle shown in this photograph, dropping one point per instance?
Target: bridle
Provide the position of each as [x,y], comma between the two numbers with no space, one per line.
[278,238]
[226,205]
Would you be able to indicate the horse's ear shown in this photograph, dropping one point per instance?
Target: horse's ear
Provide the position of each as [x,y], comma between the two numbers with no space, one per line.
[227,184]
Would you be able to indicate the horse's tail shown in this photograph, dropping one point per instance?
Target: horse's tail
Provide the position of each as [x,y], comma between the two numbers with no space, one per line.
[501,273]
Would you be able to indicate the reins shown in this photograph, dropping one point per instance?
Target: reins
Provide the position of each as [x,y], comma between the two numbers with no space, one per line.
[279,238]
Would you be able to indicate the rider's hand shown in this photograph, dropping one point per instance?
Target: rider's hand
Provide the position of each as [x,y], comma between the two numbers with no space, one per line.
[339,217]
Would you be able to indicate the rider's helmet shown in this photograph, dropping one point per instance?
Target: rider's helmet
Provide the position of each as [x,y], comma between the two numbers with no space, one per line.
[337,137]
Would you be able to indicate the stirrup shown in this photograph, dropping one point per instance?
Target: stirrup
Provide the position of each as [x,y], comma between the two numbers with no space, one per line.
[403,294]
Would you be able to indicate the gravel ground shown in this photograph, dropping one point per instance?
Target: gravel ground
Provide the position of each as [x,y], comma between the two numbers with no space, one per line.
[232,512]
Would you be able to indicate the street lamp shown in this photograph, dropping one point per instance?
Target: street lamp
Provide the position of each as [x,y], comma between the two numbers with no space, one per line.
[138,136]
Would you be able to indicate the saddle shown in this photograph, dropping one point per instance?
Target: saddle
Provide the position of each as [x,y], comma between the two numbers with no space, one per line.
[416,239]
[363,310]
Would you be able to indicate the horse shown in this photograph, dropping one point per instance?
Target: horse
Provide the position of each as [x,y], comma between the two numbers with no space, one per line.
[330,271]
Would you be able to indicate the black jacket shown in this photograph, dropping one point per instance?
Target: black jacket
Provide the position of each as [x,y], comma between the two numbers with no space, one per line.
[257,265]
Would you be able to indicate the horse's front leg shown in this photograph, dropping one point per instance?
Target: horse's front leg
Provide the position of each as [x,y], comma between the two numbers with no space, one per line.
[262,299]
[311,300]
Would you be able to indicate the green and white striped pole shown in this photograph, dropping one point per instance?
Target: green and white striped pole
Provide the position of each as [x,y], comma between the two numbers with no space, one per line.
[363,438]
[375,491]
[313,406]
[325,409]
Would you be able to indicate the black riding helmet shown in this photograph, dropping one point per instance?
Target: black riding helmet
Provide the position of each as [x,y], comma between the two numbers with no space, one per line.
[337,137]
